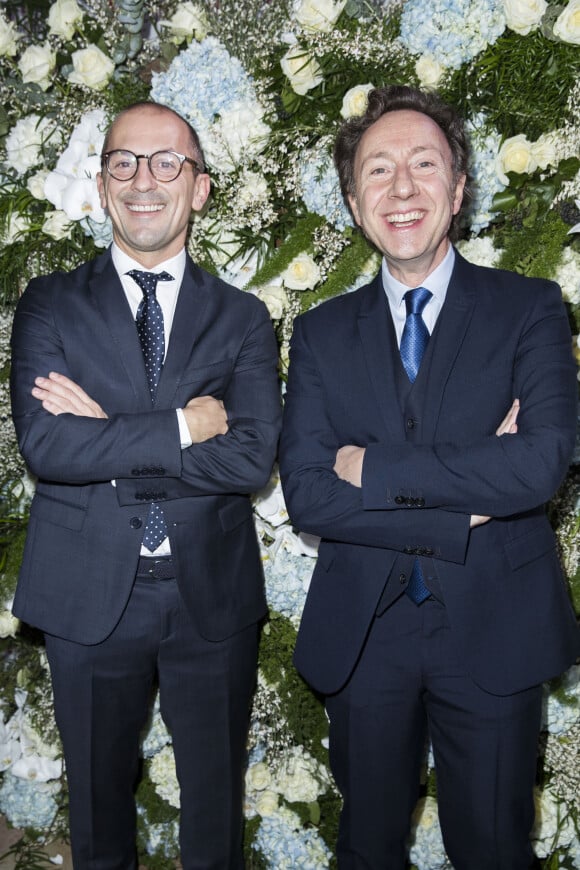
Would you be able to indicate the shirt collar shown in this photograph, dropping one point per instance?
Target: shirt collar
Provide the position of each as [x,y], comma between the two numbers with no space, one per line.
[437,281]
[124,263]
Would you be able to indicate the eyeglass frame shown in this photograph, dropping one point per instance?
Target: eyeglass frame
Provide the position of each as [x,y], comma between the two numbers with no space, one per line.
[183,158]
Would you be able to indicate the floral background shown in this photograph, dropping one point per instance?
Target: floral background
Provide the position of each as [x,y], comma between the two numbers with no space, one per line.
[266,84]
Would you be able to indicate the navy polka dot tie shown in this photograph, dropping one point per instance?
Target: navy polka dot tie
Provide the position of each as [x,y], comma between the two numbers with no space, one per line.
[413,343]
[150,328]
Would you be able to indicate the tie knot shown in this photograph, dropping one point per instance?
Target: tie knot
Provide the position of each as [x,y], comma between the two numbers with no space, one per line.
[147,281]
[416,300]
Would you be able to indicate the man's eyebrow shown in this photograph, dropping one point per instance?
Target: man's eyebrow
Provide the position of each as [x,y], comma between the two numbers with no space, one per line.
[376,155]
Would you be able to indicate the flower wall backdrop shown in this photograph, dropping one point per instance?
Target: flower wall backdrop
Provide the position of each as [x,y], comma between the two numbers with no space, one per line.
[267,84]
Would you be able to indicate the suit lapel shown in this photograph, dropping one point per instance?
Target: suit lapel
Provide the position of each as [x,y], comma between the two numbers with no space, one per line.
[448,338]
[378,342]
[109,297]
[192,312]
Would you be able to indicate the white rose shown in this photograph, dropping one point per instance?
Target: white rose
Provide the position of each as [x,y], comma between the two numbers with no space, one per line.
[258,777]
[36,65]
[188,21]
[63,16]
[57,225]
[544,151]
[515,155]
[16,227]
[355,101]
[8,38]
[266,803]
[23,143]
[91,68]
[296,778]
[523,15]
[275,299]
[9,624]
[429,71]
[567,26]
[318,14]
[35,184]
[303,71]
[302,273]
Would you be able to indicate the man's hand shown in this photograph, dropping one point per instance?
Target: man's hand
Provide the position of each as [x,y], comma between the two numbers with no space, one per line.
[205,418]
[60,395]
[349,463]
[508,425]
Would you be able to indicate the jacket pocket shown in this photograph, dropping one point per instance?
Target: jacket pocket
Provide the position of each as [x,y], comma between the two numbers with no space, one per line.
[59,513]
[535,543]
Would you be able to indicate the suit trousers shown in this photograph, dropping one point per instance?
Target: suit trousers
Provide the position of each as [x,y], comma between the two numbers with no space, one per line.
[102,697]
[409,682]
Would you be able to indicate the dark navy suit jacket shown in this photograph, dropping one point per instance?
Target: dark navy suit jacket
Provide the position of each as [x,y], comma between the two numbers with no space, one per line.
[431,460]
[85,534]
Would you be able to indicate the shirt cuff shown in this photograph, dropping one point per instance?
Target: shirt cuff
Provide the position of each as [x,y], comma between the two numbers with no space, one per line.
[184,436]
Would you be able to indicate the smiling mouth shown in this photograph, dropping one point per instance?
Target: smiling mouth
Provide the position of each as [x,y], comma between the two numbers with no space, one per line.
[145,207]
[401,220]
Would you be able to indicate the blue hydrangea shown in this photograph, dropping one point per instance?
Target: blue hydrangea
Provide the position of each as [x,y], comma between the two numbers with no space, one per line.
[485,144]
[287,580]
[320,189]
[27,803]
[102,233]
[451,31]
[202,82]
[286,845]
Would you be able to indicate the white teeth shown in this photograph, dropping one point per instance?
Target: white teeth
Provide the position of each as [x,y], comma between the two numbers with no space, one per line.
[152,207]
[405,218]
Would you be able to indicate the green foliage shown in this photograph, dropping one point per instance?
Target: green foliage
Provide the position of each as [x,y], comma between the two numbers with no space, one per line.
[302,710]
[299,240]
[538,251]
[507,80]
[350,265]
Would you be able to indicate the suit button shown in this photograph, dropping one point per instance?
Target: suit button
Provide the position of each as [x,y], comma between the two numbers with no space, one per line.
[408,550]
[402,578]
[428,551]
[420,502]
[399,499]
[410,423]
[410,501]
[135,523]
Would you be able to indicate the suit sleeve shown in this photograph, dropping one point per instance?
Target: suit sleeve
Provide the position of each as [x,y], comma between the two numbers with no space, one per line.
[80,450]
[320,503]
[495,476]
[242,459]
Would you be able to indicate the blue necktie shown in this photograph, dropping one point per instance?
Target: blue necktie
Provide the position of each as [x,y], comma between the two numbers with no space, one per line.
[150,328]
[413,343]
[415,334]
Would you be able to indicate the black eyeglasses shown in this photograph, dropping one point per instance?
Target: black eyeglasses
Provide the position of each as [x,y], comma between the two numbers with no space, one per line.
[163,165]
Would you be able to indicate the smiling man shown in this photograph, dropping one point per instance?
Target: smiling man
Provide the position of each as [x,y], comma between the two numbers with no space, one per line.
[438,605]
[145,398]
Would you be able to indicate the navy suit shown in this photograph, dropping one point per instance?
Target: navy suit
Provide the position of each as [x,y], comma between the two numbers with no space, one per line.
[432,459]
[78,574]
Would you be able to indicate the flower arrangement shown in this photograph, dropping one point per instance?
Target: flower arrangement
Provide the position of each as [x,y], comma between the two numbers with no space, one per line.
[266,87]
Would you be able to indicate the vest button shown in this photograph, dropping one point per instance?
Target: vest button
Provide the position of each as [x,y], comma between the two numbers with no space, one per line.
[410,423]
[402,578]
[135,523]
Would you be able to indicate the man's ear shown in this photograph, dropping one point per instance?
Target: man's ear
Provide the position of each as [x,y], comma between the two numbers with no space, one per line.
[101,189]
[354,209]
[200,191]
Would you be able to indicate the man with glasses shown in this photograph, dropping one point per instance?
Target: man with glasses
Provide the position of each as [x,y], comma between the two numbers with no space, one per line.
[146,401]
